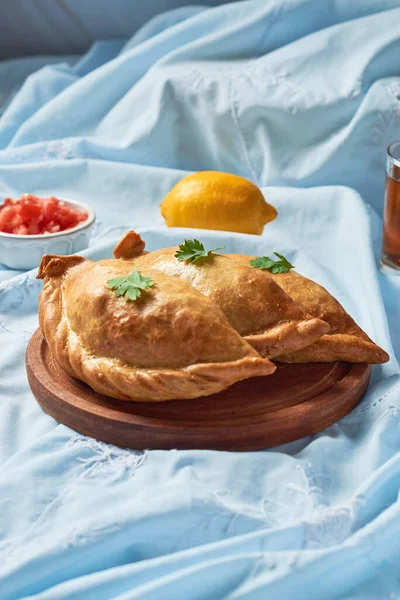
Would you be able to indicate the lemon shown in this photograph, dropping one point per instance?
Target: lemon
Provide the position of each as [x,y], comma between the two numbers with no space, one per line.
[215,200]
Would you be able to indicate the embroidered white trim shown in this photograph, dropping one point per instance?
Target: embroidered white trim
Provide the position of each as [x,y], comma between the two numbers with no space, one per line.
[324,525]
[106,455]
[58,149]
[393,89]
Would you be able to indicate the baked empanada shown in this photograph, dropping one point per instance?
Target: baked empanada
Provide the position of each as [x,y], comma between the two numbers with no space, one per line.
[172,342]
[345,340]
[254,305]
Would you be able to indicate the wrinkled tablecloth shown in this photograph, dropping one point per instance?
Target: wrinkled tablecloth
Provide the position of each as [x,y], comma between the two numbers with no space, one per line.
[302,97]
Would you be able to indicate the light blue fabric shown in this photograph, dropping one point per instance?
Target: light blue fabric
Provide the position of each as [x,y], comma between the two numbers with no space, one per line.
[302,97]
[14,72]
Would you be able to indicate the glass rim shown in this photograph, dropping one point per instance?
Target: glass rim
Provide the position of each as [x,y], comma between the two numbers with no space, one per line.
[396,160]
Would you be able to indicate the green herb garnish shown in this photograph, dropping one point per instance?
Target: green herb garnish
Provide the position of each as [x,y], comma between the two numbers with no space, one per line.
[193,250]
[131,287]
[275,266]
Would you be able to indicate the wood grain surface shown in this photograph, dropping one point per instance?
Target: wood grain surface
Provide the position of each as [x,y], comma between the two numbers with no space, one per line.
[296,401]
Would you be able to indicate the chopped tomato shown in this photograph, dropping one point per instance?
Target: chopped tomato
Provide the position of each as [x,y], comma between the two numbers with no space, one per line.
[9,219]
[10,202]
[33,228]
[64,216]
[30,210]
[82,216]
[22,230]
[31,215]
[51,227]
[50,207]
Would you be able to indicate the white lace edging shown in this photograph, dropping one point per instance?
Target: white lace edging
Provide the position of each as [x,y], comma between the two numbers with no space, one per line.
[106,455]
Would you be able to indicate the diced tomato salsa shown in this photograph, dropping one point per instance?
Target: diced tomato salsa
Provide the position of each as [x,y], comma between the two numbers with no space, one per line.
[31,215]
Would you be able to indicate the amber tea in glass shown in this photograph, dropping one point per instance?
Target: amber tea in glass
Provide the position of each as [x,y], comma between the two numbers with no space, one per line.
[391,219]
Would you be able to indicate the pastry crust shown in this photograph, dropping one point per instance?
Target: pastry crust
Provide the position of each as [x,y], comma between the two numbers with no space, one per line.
[254,305]
[171,343]
[345,340]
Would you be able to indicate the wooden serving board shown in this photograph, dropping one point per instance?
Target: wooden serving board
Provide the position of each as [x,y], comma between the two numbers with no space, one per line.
[296,401]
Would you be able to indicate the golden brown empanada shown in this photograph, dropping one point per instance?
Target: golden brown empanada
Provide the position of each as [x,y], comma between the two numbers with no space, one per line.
[345,340]
[173,342]
[255,306]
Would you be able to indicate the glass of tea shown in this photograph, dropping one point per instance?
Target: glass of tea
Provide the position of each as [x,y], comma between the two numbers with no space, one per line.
[390,256]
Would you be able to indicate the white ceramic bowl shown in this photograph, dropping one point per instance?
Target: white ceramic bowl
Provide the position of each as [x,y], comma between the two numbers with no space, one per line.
[24,252]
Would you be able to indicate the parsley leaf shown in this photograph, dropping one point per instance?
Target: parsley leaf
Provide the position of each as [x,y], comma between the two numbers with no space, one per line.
[275,266]
[193,250]
[131,287]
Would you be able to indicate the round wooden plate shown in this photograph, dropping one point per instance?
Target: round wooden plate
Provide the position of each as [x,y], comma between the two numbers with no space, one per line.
[296,401]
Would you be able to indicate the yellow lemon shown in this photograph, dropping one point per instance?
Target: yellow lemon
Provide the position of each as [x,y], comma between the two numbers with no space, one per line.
[215,200]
